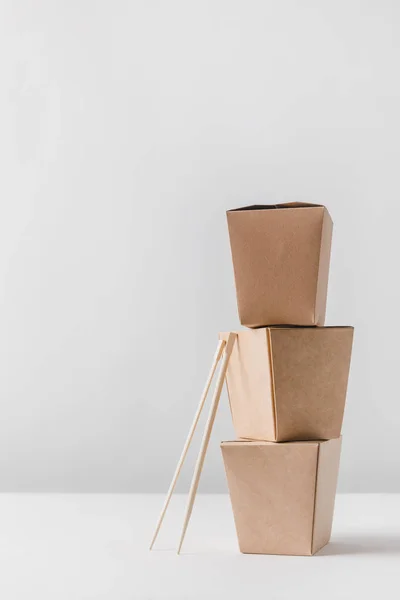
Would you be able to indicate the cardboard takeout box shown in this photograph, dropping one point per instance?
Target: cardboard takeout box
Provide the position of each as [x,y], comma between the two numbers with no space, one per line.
[282,495]
[281,259]
[289,383]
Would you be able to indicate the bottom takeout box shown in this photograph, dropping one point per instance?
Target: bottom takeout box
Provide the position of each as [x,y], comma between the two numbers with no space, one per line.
[282,494]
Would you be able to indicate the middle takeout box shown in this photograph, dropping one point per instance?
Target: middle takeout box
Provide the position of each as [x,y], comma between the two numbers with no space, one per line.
[289,383]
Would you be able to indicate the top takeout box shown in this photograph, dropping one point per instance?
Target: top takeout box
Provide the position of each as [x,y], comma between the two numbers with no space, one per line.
[281,258]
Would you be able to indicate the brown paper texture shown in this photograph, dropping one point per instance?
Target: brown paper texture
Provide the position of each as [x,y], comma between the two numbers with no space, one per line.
[289,383]
[280,259]
[282,494]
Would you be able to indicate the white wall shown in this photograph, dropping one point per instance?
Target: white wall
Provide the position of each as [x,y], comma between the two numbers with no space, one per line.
[127,129]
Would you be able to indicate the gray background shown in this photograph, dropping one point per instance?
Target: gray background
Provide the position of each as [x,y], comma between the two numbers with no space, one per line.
[127,129]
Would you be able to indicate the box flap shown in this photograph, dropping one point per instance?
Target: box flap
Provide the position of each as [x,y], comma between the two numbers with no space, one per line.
[277,206]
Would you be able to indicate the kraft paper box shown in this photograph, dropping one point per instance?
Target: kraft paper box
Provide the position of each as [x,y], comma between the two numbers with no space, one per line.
[289,383]
[282,495]
[280,259]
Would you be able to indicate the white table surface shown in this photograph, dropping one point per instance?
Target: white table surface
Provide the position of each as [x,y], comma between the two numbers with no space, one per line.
[57,547]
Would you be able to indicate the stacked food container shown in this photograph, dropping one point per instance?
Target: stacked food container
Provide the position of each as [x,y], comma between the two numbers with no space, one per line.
[286,379]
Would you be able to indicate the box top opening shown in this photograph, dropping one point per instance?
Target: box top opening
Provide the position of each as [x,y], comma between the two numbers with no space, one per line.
[277,206]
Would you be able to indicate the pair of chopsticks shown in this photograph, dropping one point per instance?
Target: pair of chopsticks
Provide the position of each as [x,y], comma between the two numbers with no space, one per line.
[224,349]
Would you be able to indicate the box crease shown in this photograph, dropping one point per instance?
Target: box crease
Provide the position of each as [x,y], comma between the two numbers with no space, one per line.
[273,391]
[315,499]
